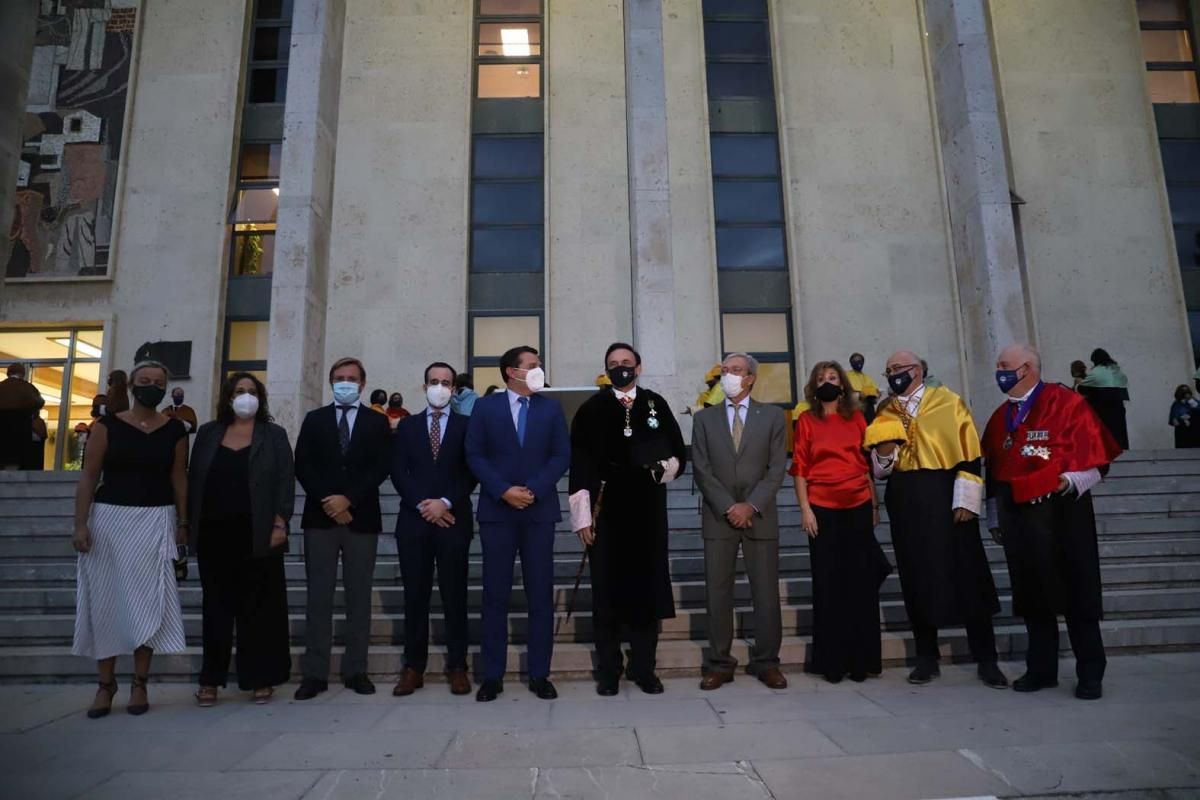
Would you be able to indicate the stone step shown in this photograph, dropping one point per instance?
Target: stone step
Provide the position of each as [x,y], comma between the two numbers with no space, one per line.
[677,657]
[387,627]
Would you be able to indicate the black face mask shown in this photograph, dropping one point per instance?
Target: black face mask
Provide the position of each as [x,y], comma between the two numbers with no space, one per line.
[828,392]
[396,402]
[148,396]
[856,366]
[900,381]
[177,399]
[621,377]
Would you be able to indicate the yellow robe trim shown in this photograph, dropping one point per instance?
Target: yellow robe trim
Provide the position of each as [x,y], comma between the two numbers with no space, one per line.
[941,436]
[862,383]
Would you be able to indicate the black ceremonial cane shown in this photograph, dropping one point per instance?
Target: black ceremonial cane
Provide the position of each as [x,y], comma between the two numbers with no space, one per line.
[583,561]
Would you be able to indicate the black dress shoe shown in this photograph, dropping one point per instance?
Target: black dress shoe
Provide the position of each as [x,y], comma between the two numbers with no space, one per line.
[858,677]
[607,686]
[833,677]
[991,676]
[543,688]
[1031,683]
[489,690]
[1089,690]
[650,684]
[924,673]
[310,688]
[359,684]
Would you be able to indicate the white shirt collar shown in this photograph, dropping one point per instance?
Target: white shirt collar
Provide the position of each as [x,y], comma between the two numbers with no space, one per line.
[745,402]
[1025,396]
[631,394]
[513,397]
[915,397]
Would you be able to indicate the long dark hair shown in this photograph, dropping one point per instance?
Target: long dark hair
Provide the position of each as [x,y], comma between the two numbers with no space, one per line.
[846,404]
[225,413]
[1101,358]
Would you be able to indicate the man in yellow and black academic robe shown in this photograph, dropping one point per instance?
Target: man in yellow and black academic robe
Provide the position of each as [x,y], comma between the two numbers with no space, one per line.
[625,448]
[924,442]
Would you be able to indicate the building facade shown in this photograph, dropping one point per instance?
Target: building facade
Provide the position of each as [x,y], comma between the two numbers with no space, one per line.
[271,184]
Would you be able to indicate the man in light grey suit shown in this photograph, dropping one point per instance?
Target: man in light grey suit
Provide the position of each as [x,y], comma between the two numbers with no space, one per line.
[739,454]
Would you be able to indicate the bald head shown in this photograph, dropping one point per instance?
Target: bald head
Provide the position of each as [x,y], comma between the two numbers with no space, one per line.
[906,362]
[1026,362]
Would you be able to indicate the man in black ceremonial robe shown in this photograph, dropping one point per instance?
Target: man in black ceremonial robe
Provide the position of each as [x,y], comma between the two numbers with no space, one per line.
[625,448]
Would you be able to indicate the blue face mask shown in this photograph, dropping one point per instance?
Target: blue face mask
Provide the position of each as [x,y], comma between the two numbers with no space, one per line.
[1006,379]
[346,393]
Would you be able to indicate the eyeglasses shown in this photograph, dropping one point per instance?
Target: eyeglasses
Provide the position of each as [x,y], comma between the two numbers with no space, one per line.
[898,368]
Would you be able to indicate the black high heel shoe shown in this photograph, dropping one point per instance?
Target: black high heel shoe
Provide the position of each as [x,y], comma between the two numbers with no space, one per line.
[139,682]
[97,711]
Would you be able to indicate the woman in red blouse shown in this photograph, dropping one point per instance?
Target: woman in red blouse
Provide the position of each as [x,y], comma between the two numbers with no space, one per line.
[839,512]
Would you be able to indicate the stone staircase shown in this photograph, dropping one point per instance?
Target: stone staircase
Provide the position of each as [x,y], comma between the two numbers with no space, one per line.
[1148,515]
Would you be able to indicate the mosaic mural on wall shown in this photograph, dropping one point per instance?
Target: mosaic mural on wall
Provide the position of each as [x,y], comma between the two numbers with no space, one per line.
[74,121]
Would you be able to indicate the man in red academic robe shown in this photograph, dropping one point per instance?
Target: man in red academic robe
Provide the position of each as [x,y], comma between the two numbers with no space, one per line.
[1045,449]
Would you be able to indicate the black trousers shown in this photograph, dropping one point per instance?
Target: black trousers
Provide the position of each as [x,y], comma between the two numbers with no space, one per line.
[420,551]
[981,640]
[643,649]
[1041,656]
[248,595]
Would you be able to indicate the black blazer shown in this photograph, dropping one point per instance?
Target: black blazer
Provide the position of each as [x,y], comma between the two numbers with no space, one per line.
[272,480]
[323,470]
[418,477]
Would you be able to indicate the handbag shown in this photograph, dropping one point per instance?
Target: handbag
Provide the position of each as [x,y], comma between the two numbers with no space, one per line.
[181,564]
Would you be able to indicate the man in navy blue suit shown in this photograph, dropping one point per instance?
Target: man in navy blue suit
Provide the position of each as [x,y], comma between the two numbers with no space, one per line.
[430,473]
[518,447]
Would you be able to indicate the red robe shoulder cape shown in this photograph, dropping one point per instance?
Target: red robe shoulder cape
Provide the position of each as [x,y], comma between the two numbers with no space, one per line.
[1061,434]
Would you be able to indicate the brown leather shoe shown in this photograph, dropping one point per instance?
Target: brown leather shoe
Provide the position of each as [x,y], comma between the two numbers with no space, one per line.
[460,682]
[773,678]
[410,681]
[715,680]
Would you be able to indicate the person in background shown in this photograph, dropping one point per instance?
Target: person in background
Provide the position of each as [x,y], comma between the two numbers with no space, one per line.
[864,388]
[491,390]
[839,512]
[20,422]
[395,410]
[342,455]
[184,413]
[1196,380]
[1045,451]
[930,380]
[518,447]
[1078,373]
[117,392]
[712,394]
[739,455]
[126,533]
[241,493]
[1185,417]
[464,397]
[602,381]
[379,399]
[434,528]
[924,442]
[1107,389]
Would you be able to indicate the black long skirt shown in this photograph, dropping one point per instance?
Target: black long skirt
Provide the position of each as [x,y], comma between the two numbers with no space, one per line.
[848,566]
[248,595]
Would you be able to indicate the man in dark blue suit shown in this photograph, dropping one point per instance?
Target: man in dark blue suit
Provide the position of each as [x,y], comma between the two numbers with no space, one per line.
[430,473]
[518,447]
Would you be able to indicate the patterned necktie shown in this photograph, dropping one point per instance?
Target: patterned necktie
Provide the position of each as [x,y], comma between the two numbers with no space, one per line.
[344,429]
[737,428]
[627,401]
[522,418]
[435,433]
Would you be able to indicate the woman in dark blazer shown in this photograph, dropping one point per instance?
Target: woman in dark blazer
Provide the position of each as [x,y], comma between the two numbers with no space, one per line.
[241,492]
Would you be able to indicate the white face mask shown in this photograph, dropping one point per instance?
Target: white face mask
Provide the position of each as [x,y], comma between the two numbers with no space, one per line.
[245,406]
[535,379]
[437,395]
[731,384]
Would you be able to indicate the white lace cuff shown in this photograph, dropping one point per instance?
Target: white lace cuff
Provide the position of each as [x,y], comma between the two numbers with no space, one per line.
[1083,482]
[883,465]
[968,493]
[581,510]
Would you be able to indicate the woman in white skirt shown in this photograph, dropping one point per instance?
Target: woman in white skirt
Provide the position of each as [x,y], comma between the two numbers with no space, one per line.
[126,534]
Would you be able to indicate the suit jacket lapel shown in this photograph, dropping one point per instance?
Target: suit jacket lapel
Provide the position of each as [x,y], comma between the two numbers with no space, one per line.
[359,423]
[726,433]
[749,425]
[256,442]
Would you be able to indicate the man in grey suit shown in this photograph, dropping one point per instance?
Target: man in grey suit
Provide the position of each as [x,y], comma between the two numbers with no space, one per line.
[739,454]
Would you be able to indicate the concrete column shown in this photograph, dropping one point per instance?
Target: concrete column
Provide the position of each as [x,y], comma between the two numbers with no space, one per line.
[991,290]
[295,361]
[649,192]
[18,24]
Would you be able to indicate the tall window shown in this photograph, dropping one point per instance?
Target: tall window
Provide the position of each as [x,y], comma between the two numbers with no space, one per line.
[751,232]
[64,365]
[254,207]
[1168,29]
[507,247]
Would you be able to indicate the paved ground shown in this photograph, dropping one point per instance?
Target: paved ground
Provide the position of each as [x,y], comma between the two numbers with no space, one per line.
[881,739]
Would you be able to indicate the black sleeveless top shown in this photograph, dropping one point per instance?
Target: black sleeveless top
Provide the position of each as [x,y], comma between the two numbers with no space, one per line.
[227,487]
[137,465]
